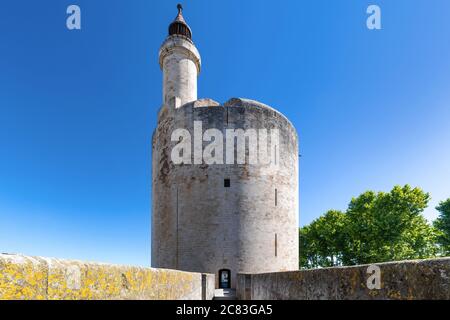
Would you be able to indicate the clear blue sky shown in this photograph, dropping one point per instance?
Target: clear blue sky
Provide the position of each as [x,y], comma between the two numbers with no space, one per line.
[77,108]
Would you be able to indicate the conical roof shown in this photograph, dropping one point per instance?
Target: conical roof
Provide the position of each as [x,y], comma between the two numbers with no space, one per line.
[179,25]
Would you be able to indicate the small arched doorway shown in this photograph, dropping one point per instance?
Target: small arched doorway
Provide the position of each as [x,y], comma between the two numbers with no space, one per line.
[224,279]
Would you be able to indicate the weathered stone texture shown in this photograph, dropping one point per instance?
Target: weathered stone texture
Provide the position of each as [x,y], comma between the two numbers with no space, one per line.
[180,62]
[208,286]
[35,278]
[200,226]
[197,224]
[417,279]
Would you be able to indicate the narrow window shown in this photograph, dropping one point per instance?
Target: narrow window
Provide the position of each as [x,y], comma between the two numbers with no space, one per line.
[177,249]
[275,151]
[276,197]
[226,183]
[276,245]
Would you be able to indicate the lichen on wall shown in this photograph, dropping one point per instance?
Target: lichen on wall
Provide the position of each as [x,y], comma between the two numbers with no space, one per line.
[23,278]
[35,278]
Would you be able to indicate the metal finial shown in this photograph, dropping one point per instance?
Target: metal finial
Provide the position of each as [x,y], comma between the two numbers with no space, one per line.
[179,26]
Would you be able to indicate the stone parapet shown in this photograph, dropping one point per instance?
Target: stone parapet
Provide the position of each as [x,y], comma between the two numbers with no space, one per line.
[36,278]
[405,280]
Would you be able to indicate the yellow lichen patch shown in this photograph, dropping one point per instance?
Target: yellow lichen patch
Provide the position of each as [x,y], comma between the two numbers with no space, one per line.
[65,279]
[374,293]
[22,278]
[394,294]
[41,278]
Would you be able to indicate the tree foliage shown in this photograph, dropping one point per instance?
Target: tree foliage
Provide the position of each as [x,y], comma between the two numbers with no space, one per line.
[376,227]
[322,241]
[442,224]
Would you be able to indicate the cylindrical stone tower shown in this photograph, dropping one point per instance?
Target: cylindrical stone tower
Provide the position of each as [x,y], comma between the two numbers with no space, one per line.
[215,216]
[180,62]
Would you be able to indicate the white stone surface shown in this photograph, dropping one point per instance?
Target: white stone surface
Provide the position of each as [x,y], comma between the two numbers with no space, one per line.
[180,62]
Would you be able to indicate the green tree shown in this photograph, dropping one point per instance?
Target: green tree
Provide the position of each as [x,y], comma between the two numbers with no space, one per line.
[389,226]
[376,227]
[442,224]
[323,241]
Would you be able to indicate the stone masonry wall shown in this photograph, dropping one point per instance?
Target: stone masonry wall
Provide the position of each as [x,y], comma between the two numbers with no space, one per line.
[198,225]
[417,279]
[36,278]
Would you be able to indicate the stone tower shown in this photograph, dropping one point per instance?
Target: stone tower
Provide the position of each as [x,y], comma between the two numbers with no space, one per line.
[180,62]
[220,217]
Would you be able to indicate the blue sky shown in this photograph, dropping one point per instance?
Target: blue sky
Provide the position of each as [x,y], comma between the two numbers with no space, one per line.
[77,108]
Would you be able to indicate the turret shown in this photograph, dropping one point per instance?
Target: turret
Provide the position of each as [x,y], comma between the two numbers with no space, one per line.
[180,62]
